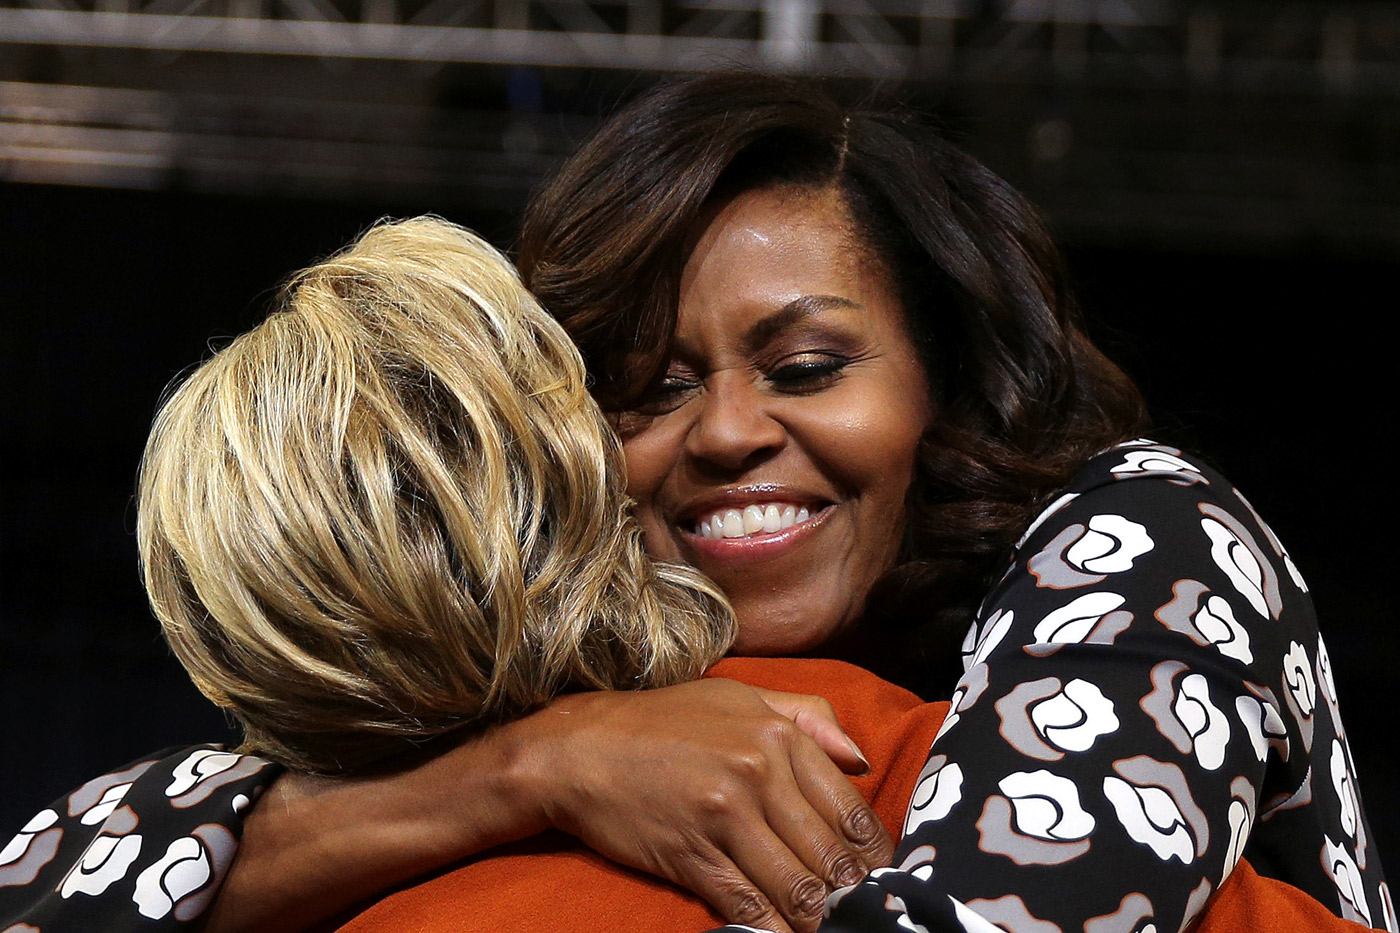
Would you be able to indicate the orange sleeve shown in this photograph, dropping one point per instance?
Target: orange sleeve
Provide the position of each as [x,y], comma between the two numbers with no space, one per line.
[551,883]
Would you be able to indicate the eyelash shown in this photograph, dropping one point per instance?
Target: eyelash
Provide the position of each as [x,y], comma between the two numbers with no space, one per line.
[800,377]
[808,375]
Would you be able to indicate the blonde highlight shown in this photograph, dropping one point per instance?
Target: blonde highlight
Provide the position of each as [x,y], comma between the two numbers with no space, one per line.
[393,510]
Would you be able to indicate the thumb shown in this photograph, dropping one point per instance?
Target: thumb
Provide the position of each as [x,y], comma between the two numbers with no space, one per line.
[814,716]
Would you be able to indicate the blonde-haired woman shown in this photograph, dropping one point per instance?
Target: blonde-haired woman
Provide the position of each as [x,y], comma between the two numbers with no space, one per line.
[389,512]
[392,510]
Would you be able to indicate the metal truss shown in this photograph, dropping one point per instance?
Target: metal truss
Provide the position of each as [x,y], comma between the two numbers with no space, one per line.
[1204,124]
[1260,43]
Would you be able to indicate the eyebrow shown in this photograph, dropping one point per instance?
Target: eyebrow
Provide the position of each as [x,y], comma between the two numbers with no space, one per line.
[801,308]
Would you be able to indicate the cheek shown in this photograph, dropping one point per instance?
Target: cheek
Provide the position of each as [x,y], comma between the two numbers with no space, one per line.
[648,458]
[869,441]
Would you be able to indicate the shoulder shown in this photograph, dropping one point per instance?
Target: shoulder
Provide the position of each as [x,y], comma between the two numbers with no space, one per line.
[1146,500]
[1151,547]
[1138,473]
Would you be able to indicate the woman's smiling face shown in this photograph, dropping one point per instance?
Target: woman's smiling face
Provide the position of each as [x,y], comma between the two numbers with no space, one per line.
[777,453]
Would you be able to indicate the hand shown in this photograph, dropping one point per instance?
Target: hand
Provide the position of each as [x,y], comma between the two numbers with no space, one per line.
[815,716]
[716,786]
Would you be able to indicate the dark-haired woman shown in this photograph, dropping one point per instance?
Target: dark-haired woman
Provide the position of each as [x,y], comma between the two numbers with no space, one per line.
[853,389]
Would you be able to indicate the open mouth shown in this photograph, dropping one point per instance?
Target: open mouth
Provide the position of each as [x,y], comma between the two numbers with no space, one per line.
[760,518]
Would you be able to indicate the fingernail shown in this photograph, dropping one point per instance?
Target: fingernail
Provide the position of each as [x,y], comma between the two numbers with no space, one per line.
[850,874]
[857,752]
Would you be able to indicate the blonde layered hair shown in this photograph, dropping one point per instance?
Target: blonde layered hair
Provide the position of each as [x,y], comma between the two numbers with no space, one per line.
[392,510]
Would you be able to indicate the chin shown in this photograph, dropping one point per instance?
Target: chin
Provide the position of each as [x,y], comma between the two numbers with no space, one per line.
[776,638]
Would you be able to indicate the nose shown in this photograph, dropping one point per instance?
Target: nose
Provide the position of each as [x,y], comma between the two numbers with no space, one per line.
[734,428]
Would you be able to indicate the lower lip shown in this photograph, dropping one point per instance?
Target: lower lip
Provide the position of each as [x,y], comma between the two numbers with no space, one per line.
[757,547]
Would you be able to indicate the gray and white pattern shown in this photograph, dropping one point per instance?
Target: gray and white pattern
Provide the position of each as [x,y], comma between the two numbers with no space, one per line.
[142,848]
[1152,703]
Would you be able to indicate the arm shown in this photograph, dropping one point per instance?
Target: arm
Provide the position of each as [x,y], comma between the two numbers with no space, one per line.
[142,848]
[1146,699]
[736,804]
[316,845]
[676,782]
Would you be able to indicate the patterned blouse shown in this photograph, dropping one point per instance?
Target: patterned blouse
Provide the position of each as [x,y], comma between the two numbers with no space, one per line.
[1146,698]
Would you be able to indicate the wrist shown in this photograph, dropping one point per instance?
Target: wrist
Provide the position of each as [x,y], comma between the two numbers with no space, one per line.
[481,793]
[538,758]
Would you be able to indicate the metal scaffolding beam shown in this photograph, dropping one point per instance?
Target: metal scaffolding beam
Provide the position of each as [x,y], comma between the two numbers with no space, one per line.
[1159,121]
[1341,48]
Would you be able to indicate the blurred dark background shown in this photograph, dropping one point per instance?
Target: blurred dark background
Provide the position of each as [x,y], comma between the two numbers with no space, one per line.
[1224,177]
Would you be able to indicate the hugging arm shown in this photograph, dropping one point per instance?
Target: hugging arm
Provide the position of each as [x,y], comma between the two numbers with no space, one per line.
[688,802]
[1146,700]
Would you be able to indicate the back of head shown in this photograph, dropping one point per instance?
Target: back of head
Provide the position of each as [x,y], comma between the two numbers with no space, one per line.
[392,510]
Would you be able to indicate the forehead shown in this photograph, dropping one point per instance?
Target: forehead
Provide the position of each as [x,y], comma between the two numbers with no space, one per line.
[764,249]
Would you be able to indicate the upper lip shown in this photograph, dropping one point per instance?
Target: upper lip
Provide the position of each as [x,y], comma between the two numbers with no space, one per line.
[736,497]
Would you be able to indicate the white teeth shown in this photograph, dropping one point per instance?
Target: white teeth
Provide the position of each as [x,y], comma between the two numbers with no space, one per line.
[754,519]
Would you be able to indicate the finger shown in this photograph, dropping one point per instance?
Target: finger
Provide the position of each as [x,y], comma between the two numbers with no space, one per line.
[721,884]
[815,842]
[814,716]
[840,805]
[785,882]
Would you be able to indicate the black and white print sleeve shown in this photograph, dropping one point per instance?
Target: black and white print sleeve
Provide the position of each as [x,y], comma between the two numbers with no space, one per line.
[142,848]
[1146,698]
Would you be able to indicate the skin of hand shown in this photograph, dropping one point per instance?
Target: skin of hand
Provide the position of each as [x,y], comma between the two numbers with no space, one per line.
[765,819]
[741,806]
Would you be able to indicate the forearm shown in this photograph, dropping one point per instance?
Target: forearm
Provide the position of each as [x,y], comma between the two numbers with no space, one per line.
[676,782]
[313,847]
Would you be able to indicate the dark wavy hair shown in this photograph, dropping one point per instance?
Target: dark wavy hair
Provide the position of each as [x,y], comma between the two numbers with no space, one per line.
[1021,397]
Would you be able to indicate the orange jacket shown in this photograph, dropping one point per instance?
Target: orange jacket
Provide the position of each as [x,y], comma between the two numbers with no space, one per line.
[551,883]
